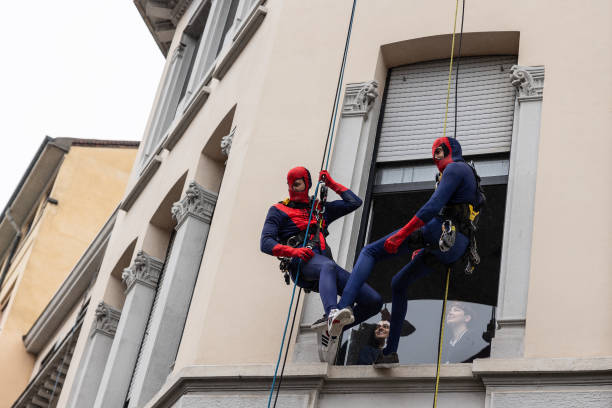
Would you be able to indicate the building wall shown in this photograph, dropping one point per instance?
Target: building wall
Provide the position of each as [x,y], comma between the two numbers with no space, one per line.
[60,333]
[88,187]
[282,87]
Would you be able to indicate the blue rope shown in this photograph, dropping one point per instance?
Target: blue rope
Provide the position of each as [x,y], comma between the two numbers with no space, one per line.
[326,153]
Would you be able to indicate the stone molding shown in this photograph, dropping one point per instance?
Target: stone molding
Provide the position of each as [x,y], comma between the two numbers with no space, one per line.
[528,81]
[359,98]
[198,203]
[145,270]
[243,35]
[107,319]
[179,10]
[145,176]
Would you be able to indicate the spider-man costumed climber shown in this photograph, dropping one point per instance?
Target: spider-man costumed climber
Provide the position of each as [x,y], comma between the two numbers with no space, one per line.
[457,193]
[283,235]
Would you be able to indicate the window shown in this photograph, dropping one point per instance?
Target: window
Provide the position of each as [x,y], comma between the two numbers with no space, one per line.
[175,82]
[210,29]
[220,26]
[403,180]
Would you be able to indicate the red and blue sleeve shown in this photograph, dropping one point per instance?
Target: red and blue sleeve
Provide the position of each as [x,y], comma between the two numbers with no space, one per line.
[339,208]
[449,183]
[269,234]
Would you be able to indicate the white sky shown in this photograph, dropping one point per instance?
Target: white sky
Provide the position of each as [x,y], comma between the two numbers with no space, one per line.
[72,68]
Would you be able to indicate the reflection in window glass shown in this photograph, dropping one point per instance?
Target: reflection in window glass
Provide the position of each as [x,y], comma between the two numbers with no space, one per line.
[470,309]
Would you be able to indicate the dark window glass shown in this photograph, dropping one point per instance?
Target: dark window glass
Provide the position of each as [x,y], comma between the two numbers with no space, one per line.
[468,321]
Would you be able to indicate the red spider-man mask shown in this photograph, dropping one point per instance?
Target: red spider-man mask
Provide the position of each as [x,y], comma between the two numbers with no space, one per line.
[448,153]
[295,174]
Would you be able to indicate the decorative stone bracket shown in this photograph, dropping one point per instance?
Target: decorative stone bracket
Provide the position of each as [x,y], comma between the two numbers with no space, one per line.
[226,143]
[107,319]
[145,269]
[528,81]
[198,202]
[359,98]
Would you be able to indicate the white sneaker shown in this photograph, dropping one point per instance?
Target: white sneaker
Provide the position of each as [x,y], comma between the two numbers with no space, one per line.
[337,319]
[327,346]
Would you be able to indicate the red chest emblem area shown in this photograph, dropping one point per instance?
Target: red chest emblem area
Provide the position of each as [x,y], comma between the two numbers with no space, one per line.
[299,216]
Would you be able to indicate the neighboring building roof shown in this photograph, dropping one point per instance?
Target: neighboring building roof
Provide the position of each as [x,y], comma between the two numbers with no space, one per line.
[161,17]
[70,291]
[41,170]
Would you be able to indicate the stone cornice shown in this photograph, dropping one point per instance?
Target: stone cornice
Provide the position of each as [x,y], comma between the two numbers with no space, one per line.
[144,270]
[107,319]
[162,18]
[359,98]
[198,203]
[528,81]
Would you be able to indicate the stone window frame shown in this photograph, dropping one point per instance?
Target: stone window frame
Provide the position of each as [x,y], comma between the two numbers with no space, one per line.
[351,161]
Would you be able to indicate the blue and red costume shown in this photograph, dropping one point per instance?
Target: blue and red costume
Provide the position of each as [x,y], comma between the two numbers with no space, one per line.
[318,271]
[457,185]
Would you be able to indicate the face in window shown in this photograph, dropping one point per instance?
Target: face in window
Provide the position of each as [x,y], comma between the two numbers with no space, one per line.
[457,315]
[382,330]
[298,185]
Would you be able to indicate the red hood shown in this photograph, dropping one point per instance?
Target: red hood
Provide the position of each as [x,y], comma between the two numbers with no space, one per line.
[295,174]
[452,150]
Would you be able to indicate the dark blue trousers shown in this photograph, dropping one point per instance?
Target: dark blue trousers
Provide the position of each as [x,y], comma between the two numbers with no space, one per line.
[332,280]
[414,270]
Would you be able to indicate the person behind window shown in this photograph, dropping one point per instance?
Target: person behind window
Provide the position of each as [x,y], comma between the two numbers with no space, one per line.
[286,224]
[369,353]
[457,191]
[463,341]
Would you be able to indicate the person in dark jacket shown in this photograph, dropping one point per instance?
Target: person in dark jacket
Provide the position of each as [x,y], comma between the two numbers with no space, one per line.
[463,342]
[457,186]
[287,222]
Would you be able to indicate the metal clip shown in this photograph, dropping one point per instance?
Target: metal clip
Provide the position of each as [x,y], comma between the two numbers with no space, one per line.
[449,234]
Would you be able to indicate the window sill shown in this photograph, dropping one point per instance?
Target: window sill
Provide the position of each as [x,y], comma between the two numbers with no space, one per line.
[179,126]
[146,175]
[240,40]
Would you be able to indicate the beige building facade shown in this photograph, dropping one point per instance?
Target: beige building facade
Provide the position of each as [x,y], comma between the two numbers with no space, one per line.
[188,311]
[68,192]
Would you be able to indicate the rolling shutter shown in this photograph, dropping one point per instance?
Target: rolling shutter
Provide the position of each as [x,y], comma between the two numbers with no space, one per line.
[416,100]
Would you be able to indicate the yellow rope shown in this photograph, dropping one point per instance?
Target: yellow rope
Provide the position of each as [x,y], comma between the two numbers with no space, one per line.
[450,68]
[435,404]
[442,319]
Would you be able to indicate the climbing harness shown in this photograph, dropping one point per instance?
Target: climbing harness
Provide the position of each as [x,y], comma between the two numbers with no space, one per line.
[313,241]
[450,71]
[325,160]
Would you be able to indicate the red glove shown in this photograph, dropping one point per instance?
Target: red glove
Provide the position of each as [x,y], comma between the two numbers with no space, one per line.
[329,182]
[284,250]
[394,241]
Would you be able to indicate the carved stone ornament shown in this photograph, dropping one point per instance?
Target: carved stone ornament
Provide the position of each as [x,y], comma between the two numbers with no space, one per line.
[178,52]
[359,98]
[528,81]
[107,319]
[178,9]
[144,270]
[226,143]
[198,203]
